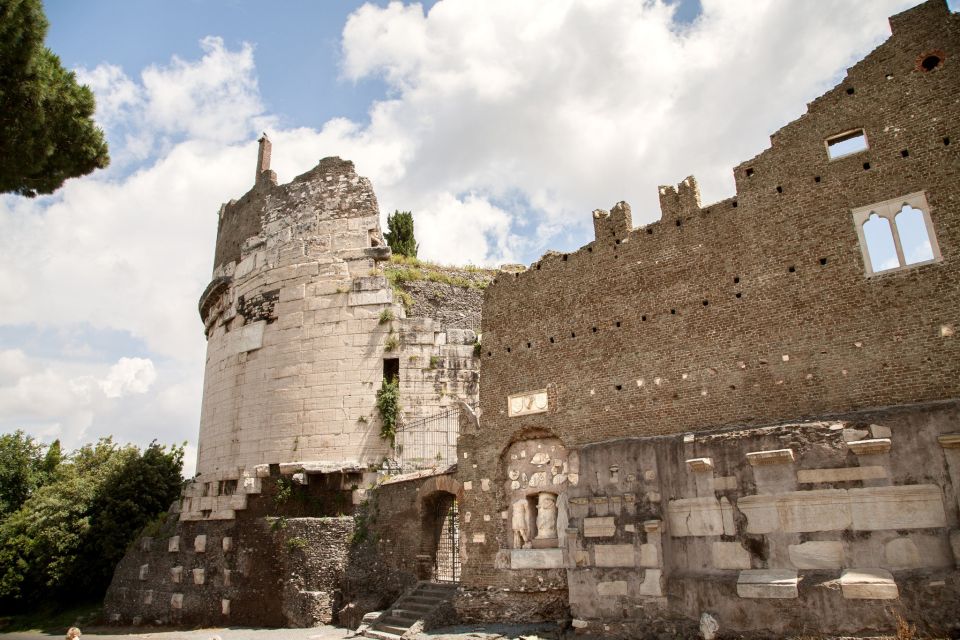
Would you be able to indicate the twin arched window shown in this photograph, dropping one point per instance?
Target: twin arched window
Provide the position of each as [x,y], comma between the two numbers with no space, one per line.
[896,234]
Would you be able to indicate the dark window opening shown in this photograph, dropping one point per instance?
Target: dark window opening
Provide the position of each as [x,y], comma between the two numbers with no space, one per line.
[678,223]
[779,189]
[850,91]
[823,261]
[594,329]
[573,334]
[866,166]
[749,173]
[706,302]
[643,318]
[617,242]
[739,294]
[618,324]
[619,387]
[551,339]
[734,204]
[816,178]
[391,369]
[931,62]
[792,269]
[508,349]
[904,154]
[673,312]
[946,141]
[564,258]
[650,231]
[736,279]
[529,345]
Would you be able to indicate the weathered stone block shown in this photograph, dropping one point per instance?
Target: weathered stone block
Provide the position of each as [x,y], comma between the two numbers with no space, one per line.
[176,601]
[869,447]
[176,574]
[917,506]
[198,576]
[816,555]
[614,555]
[144,571]
[652,585]
[775,456]
[612,588]
[868,584]
[536,559]
[843,474]
[599,527]
[695,517]
[767,583]
[200,543]
[902,553]
[173,544]
[730,555]
[797,511]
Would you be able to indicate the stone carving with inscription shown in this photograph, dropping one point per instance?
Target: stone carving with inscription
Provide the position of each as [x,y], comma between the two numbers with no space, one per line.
[520,523]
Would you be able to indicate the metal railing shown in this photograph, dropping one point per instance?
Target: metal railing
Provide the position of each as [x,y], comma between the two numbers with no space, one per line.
[428,442]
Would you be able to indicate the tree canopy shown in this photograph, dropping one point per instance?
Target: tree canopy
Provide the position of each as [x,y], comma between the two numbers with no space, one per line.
[63,541]
[47,133]
[399,234]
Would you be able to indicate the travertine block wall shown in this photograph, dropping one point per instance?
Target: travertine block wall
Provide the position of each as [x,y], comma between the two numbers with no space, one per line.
[299,320]
[754,311]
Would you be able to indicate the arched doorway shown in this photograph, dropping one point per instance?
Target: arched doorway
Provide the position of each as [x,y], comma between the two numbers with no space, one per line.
[439,557]
[446,557]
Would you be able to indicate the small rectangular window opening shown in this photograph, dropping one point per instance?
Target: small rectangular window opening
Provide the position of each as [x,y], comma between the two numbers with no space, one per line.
[845,144]
[391,369]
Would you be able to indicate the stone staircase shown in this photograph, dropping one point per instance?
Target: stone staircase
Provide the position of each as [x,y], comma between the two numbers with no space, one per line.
[412,607]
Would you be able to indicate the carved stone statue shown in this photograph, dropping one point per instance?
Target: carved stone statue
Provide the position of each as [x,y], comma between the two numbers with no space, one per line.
[546,516]
[520,523]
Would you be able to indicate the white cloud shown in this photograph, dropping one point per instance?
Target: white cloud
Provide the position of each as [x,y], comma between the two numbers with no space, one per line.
[129,375]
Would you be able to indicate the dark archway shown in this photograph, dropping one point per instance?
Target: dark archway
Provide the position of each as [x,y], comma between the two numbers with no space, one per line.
[440,537]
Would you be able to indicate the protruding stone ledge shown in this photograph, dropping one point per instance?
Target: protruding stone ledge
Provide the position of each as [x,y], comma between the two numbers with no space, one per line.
[768,583]
[870,447]
[868,584]
[775,456]
[599,527]
[700,464]
[949,440]
[652,526]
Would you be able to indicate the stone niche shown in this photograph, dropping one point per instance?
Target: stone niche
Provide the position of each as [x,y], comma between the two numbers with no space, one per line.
[538,472]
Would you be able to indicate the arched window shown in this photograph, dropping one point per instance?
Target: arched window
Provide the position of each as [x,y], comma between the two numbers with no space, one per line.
[881,248]
[896,234]
[913,235]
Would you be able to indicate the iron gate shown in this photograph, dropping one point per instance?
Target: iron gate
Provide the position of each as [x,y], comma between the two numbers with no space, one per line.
[428,442]
[447,567]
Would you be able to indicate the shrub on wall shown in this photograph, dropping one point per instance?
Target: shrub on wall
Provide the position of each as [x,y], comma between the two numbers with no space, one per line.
[388,404]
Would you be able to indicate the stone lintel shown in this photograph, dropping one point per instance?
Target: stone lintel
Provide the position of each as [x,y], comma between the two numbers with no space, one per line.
[872,446]
[775,456]
[652,526]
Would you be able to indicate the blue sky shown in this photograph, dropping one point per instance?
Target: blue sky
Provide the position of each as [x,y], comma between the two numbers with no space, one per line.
[500,124]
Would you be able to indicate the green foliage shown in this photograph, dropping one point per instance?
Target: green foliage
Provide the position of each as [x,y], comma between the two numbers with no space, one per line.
[297,543]
[388,404]
[284,492]
[47,132]
[386,316]
[391,343]
[63,543]
[278,524]
[434,361]
[400,234]
[361,529]
[24,468]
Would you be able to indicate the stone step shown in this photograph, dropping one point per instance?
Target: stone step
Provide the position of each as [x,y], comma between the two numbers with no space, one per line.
[397,621]
[428,601]
[389,628]
[380,635]
[408,612]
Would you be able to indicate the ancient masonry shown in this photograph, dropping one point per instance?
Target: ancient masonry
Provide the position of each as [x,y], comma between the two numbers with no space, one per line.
[739,410]
[742,419]
[302,327]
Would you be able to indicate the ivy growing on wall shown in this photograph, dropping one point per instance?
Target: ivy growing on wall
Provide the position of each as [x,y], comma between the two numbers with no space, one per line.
[388,404]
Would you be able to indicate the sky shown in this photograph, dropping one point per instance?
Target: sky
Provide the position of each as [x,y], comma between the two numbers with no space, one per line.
[500,124]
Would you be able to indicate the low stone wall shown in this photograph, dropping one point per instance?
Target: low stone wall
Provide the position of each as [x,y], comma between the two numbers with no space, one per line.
[263,571]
